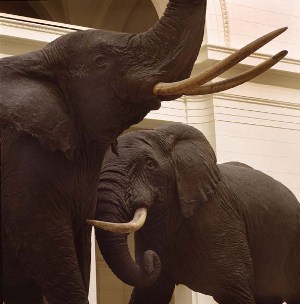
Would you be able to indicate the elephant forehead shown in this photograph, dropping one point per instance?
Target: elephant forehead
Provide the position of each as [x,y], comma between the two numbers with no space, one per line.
[89,40]
[143,142]
[132,147]
[135,139]
[109,38]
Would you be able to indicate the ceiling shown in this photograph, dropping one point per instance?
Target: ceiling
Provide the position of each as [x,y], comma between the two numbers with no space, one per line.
[120,15]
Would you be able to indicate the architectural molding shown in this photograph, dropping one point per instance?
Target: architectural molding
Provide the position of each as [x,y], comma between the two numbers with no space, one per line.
[196,98]
[56,28]
[37,25]
[258,101]
[229,50]
[11,45]
[226,25]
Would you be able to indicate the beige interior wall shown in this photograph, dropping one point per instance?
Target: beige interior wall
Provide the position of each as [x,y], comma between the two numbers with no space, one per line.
[118,15]
[261,129]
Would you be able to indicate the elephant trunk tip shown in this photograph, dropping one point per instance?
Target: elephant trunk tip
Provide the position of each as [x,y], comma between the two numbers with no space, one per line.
[152,265]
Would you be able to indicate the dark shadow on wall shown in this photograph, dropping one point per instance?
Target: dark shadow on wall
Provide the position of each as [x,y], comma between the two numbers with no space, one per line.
[131,16]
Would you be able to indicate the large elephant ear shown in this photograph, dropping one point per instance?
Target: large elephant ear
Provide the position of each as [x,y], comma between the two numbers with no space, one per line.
[197,173]
[31,102]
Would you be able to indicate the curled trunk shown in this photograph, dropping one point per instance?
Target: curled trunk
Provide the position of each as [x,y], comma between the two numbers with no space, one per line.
[115,251]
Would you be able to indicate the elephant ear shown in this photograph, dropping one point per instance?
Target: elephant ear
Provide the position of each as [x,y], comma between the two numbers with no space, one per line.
[31,102]
[197,173]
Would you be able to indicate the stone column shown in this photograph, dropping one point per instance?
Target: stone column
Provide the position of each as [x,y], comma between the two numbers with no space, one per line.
[93,285]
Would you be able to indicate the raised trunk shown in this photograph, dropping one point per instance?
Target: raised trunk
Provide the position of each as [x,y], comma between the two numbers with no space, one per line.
[168,50]
[175,40]
[115,251]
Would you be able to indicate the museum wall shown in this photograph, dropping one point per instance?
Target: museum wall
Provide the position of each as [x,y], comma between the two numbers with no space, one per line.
[257,123]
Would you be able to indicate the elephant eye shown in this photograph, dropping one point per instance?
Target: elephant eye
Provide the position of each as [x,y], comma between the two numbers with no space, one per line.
[150,163]
[100,61]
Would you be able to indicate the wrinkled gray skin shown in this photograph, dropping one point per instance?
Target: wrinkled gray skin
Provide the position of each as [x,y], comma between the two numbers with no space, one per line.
[60,109]
[224,230]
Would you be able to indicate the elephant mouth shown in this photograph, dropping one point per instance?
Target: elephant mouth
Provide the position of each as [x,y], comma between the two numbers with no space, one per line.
[156,103]
[135,224]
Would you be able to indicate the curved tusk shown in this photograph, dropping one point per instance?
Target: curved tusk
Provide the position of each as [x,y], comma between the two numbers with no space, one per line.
[214,71]
[235,81]
[136,223]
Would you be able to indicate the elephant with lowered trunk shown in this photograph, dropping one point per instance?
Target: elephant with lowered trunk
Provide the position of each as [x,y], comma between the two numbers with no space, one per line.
[60,109]
[224,230]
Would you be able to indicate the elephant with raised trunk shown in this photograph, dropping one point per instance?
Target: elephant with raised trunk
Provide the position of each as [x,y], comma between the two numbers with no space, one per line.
[60,109]
[226,230]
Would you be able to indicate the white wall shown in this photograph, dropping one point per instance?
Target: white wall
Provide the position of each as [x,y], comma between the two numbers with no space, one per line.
[250,18]
[260,132]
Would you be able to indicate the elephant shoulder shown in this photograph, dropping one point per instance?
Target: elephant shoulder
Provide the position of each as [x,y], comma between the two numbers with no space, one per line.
[237,173]
[235,163]
[254,184]
[235,169]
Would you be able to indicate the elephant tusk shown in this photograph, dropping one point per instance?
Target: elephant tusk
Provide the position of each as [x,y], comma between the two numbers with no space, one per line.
[235,81]
[193,82]
[136,223]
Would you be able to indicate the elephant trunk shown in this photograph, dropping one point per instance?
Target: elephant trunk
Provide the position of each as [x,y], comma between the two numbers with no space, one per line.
[175,40]
[172,45]
[115,251]
[167,51]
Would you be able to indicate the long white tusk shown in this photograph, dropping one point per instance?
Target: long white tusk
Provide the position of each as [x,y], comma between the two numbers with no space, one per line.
[134,225]
[235,81]
[195,81]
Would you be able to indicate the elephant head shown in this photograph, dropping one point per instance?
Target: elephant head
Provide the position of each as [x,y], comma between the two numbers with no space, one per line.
[91,85]
[154,175]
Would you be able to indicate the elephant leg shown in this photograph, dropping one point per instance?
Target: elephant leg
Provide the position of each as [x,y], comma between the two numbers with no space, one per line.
[61,279]
[16,286]
[38,217]
[237,287]
[52,262]
[160,292]
[230,262]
